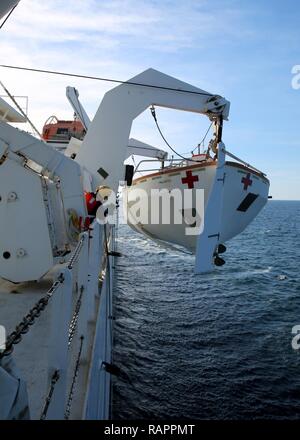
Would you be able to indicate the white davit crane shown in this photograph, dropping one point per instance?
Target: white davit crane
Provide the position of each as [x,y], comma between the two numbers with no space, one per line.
[135,146]
[42,203]
[105,146]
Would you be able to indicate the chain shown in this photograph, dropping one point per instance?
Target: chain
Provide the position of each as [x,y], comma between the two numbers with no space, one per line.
[54,380]
[76,252]
[74,320]
[75,375]
[23,327]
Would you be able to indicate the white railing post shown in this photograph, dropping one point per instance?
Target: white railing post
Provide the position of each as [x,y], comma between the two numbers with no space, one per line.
[111,280]
[95,258]
[102,411]
[58,347]
[82,281]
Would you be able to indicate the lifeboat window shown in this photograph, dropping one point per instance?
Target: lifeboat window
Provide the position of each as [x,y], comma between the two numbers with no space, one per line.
[247,202]
[62,131]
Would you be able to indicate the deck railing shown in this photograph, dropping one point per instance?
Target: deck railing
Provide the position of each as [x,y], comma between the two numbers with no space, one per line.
[80,339]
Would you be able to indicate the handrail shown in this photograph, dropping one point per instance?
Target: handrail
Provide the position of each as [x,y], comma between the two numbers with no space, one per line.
[162,161]
[188,160]
[244,163]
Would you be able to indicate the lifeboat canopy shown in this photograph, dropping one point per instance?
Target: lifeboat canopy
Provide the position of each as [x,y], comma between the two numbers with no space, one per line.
[56,130]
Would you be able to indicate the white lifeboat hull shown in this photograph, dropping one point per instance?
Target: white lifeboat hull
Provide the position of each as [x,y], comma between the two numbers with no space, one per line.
[245,194]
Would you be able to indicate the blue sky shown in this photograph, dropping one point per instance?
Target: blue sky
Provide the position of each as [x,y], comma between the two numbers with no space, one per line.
[243,50]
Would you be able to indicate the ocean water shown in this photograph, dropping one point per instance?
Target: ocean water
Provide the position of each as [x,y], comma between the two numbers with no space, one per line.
[213,346]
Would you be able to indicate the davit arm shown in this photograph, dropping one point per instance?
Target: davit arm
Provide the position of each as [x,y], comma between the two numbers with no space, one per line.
[105,146]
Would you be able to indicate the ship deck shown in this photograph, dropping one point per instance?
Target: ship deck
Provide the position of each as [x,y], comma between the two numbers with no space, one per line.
[31,355]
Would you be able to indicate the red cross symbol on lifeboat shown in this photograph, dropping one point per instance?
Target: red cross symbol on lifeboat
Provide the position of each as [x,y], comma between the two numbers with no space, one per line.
[247,181]
[189,179]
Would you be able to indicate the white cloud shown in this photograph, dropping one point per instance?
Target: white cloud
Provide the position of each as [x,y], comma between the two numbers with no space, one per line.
[92,37]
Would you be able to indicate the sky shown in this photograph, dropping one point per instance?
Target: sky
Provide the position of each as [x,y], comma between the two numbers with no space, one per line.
[243,50]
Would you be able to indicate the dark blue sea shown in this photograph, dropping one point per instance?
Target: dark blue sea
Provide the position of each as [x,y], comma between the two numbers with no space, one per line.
[213,346]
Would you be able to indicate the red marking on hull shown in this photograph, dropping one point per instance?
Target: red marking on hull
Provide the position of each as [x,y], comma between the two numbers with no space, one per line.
[190,179]
[247,181]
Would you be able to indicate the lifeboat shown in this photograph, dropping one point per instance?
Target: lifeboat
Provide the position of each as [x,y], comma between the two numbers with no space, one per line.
[62,131]
[245,193]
